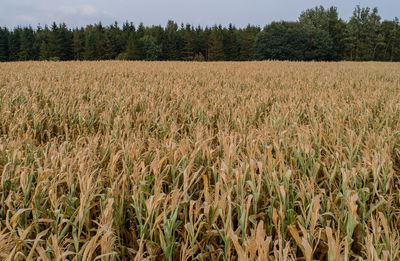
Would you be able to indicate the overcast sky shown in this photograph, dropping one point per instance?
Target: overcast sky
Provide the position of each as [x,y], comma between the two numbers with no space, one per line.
[156,12]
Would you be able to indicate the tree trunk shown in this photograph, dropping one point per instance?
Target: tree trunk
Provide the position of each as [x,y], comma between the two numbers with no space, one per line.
[391,55]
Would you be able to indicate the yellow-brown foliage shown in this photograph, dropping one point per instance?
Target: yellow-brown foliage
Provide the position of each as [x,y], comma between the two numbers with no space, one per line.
[199,161]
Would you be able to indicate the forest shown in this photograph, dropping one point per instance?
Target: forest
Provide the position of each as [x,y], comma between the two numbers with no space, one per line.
[319,34]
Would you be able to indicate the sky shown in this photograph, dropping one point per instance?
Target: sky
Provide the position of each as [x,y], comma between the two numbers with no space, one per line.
[157,12]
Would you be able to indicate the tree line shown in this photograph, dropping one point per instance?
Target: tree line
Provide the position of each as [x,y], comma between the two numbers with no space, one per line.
[318,34]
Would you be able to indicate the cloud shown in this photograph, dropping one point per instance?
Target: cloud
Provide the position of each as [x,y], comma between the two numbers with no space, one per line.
[26,19]
[81,10]
[208,12]
[88,10]
[75,15]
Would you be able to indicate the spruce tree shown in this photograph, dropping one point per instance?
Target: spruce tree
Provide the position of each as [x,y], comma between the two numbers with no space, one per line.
[188,44]
[108,48]
[54,43]
[3,44]
[246,41]
[230,43]
[14,44]
[215,45]
[44,51]
[26,45]
[65,48]
[41,45]
[170,42]
[151,50]
[77,45]
[132,50]
[90,46]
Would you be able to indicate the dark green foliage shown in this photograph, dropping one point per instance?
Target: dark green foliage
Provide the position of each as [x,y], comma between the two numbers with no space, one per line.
[170,42]
[363,29]
[66,52]
[77,44]
[319,34]
[246,40]
[55,43]
[4,34]
[189,43]
[391,33]
[292,41]
[215,45]
[90,52]
[327,20]
[151,50]
[42,43]
[14,42]
[133,48]
[231,43]
[26,51]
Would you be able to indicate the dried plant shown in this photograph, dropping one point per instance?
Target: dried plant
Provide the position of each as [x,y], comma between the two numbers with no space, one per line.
[199,161]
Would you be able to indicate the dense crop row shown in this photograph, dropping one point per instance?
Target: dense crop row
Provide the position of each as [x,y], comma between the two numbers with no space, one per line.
[199,161]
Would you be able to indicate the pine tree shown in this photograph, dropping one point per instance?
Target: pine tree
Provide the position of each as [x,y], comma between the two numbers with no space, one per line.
[26,45]
[4,44]
[201,42]
[152,51]
[54,43]
[215,45]
[65,48]
[170,42]
[90,46]
[230,43]
[132,51]
[100,42]
[189,44]
[42,39]
[115,36]
[44,51]
[246,40]
[108,48]
[127,29]
[14,44]
[77,45]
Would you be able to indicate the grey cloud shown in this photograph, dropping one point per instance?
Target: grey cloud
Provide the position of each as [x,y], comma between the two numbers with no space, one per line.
[81,10]
[205,12]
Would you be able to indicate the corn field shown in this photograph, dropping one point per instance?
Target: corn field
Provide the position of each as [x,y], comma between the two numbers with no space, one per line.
[199,161]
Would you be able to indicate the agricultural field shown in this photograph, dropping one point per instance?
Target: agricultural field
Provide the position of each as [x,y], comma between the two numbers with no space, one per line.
[199,161]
